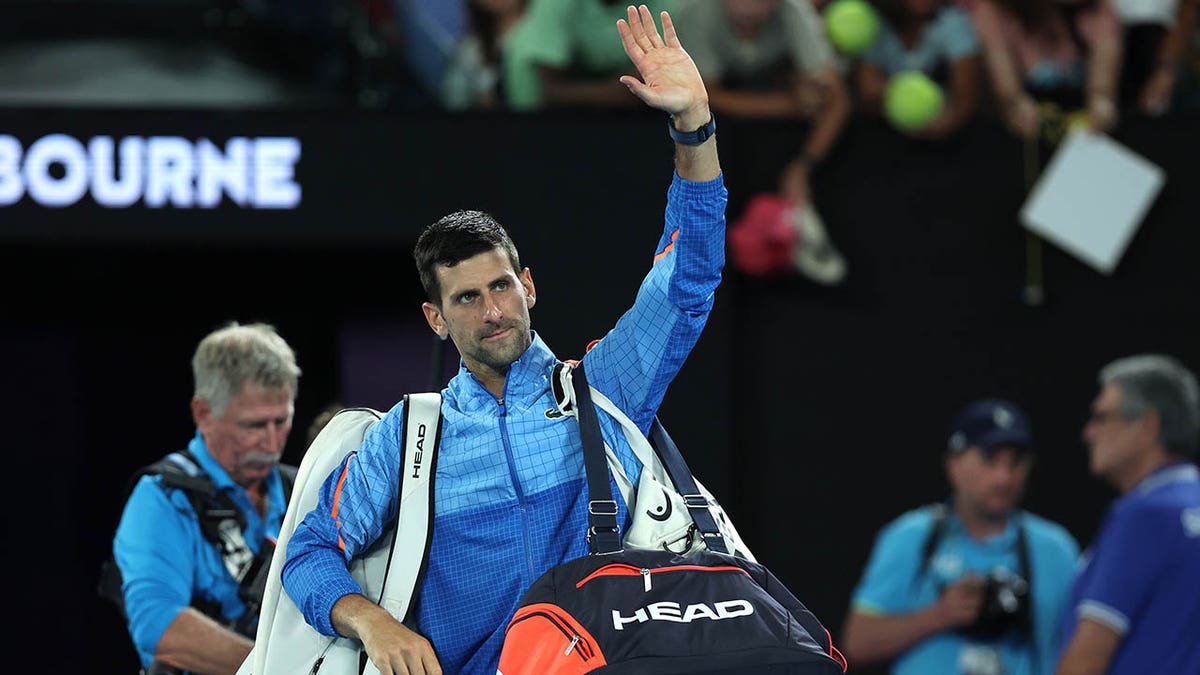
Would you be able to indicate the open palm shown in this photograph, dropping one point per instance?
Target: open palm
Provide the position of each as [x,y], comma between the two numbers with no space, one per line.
[670,80]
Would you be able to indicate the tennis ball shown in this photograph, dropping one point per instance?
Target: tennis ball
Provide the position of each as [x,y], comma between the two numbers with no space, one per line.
[851,25]
[912,100]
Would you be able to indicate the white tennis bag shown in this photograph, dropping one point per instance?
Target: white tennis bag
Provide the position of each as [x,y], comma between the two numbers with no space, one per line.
[285,644]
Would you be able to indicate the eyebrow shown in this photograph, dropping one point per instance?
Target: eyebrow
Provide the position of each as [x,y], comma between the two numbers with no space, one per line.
[503,277]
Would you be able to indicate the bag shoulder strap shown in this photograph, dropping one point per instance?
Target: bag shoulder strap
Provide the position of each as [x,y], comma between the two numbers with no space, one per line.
[937,525]
[414,517]
[603,535]
[681,476]
[665,452]
[287,476]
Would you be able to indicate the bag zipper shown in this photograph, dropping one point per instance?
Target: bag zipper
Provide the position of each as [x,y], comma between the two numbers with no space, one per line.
[627,570]
[584,650]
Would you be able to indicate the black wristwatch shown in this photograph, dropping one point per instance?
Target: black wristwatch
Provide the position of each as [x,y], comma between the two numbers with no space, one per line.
[693,137]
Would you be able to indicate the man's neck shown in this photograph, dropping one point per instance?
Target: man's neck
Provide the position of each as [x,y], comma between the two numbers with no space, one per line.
[1144,465]
[490,379]
[979,527]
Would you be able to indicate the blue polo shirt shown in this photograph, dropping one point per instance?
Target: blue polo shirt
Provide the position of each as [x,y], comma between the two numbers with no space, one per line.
[893,584]
[1141,576]
[164,558]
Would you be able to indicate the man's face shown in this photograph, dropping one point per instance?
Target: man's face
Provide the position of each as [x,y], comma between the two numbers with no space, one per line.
[485,310]
[749,15]
[989,483]
[247,441]
[1113,442]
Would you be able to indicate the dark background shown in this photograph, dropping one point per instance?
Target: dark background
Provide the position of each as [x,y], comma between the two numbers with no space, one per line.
[816,414]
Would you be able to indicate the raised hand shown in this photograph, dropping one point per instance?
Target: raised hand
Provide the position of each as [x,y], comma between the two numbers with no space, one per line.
[670,80]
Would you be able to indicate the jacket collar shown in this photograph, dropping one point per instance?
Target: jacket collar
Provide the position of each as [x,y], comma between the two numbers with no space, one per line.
[527,381]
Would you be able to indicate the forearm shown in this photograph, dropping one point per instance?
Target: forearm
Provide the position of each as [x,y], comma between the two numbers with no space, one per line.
[315,574]
[352,614]
[1090,650]
[1175,43]
[871,87]
[869,638]
[1003,74]
[696,163]
[1104,66]
[196,643]
[964,86]
[829,124]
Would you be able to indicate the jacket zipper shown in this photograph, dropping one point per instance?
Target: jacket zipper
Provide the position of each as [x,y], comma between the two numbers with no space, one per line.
[521,505]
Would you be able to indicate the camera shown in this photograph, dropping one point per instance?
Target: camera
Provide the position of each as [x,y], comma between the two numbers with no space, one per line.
[1005,607]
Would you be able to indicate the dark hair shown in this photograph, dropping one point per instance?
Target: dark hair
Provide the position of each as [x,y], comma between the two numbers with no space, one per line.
[454,238]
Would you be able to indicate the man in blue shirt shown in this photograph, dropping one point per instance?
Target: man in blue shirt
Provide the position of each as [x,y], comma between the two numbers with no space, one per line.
[1135,607]
[933,599]
[511,498]
[180,592]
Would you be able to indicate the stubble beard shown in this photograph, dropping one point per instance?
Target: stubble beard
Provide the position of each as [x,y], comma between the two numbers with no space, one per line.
[500,356]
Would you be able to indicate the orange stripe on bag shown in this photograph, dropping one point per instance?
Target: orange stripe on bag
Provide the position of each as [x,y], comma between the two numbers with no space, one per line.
[543,639]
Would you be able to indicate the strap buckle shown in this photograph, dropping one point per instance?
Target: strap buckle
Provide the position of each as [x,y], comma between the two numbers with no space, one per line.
[602,507]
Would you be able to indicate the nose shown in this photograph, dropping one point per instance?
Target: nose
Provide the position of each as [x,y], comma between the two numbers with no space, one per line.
[274,434]
[492,311]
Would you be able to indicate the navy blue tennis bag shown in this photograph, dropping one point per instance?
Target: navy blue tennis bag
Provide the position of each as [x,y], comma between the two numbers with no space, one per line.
[696,609]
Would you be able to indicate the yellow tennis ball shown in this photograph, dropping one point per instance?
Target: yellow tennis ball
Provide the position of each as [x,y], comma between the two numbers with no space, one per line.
[851,25]
[912,100]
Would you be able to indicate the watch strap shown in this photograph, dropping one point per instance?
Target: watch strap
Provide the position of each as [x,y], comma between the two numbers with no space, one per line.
[693,137]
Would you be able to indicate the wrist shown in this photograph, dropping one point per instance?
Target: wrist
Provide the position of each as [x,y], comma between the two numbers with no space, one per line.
[691,119]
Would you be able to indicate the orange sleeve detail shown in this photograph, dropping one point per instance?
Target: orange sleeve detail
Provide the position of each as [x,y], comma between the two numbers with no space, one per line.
[665,251]
[337,499]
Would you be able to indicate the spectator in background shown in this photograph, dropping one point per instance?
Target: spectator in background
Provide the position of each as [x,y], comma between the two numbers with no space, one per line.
[184,595]
[935,38]
[1135,607]
[564,53]
[429,31]
[771,59]
[474,78]
[934,598]
[320,420]
[1157,34]
[1061,53]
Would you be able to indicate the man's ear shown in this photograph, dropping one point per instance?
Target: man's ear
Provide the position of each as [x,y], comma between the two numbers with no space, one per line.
[436,321]
[1151,426]
[530,290]
[201,412]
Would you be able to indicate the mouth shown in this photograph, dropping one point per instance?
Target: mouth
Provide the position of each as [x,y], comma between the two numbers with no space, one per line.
[497,335]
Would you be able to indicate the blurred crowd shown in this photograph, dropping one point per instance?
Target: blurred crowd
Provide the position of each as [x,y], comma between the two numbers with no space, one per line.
[765,57]
[928,67]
